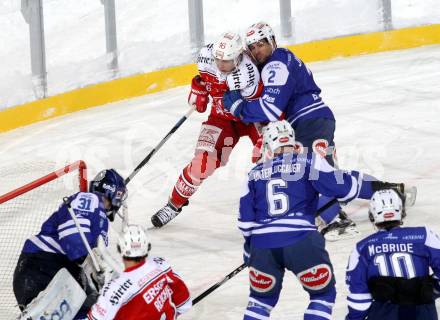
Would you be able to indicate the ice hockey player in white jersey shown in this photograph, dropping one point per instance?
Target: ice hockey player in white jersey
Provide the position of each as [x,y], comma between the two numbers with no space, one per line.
[222,66]
[277,219]
[147,289]
[388,272]
[59,243]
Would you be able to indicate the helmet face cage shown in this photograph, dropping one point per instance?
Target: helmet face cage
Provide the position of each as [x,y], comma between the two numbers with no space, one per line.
[275,135]
[258,32]
[386,205]
[134,242]
[228,48]
[111,185]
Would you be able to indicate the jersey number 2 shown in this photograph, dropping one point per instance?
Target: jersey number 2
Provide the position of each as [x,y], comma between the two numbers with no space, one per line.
[271,76]
[278,201]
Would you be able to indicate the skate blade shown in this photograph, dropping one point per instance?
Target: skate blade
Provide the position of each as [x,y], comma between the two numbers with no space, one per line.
[349,233]
[410,196]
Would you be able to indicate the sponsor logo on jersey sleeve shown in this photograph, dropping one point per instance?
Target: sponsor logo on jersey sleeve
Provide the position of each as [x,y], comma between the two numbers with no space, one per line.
[320,147]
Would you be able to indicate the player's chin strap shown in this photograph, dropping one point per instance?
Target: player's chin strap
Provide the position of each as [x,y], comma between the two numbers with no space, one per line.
[159,145]
[241,267]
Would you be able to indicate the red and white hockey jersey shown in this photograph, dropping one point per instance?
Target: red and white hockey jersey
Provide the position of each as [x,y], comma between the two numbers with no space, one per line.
[245,78]
[150,290]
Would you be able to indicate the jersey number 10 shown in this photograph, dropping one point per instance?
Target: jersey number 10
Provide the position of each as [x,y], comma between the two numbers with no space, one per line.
[401,265]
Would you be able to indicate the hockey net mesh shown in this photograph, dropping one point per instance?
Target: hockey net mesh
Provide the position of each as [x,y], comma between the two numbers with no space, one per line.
[22,216]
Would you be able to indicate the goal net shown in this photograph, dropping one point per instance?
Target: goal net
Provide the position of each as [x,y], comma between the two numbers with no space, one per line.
[34,192]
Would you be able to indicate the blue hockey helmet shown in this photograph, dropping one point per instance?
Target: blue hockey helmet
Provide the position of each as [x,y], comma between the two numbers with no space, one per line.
[109,184]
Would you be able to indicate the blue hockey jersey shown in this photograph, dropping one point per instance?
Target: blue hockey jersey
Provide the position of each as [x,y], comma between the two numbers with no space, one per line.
[280,198]
[289,91]
[60,235]
[401,252]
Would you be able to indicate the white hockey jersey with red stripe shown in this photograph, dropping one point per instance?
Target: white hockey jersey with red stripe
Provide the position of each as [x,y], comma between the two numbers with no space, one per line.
[245,78]
[150,290]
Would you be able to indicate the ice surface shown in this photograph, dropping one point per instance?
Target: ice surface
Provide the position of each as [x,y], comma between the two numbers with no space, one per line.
[388,122]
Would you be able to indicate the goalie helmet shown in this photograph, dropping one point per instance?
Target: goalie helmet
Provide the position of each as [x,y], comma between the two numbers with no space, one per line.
[260,31]
[275,135]
[109,184]
[228,48]
[134,242]
[386,205]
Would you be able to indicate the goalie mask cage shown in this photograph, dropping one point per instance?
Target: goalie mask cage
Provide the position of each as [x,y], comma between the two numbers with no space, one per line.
[24,209]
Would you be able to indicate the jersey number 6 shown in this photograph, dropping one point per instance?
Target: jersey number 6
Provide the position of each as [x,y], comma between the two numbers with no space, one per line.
[278,201]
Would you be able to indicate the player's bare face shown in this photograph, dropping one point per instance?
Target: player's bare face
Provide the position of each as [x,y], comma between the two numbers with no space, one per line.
[261,50]
[225,66]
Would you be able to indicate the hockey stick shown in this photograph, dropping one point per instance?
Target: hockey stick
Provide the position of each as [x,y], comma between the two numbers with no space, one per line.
[83,237]
[218,284]
[238,269]
[160,144]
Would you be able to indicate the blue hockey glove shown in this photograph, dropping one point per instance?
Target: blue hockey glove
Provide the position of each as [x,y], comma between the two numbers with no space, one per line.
[233,102]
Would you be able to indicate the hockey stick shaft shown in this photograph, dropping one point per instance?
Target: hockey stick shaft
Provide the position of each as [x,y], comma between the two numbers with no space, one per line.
[160,144]
[218,284]
[238,269]
[83,237]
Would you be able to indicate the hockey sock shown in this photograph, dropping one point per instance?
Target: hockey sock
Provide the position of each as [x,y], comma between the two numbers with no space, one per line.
[321,305]
[257,310]
[185,187]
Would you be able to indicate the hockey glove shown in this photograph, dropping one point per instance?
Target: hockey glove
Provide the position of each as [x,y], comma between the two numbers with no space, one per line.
[198,95]
[233,102]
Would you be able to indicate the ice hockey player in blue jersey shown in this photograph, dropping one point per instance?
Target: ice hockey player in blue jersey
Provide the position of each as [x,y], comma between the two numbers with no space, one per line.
[388,272]
[290,93]
[59,244]
[277,219]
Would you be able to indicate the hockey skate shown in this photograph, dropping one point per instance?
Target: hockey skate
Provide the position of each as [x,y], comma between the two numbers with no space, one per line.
[341,228]
[165,215]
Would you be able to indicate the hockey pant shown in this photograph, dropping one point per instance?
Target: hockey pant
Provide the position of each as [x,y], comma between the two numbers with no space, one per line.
[216,140]
[34,271]
[308,260]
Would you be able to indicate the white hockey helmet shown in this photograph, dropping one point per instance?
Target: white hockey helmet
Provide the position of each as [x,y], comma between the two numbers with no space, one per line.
[275,135]
[228,48]
[386,205]
[260,31]
[134,242]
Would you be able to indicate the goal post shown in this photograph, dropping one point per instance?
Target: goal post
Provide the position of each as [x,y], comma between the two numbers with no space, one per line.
[25,208]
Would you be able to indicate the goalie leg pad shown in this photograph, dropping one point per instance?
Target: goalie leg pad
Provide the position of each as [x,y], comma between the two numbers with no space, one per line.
[61,299]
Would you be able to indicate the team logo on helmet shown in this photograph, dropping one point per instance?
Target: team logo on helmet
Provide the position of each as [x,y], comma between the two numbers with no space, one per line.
[388,215]
[250,32]
[316,278]
[260,281]
[284,139]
